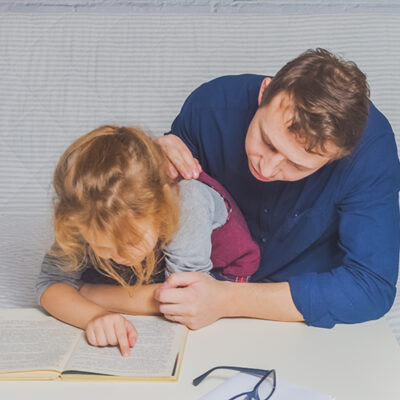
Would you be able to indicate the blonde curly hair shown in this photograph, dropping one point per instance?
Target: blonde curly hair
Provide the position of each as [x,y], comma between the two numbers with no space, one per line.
[103,182]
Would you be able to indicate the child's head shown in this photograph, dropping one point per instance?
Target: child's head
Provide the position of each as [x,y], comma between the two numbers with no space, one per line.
[114,201]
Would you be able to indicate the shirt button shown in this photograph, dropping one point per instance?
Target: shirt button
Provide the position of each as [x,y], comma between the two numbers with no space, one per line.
[264,239]
[266,210]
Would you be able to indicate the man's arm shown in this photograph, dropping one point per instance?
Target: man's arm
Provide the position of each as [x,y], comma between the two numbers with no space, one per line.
[196,300]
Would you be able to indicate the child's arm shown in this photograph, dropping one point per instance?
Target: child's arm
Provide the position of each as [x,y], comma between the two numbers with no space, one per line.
[57,291]
[123,300]
[102,327]
[66,304]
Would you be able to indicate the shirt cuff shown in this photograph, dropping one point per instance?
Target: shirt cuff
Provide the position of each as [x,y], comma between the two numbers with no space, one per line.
[309,300]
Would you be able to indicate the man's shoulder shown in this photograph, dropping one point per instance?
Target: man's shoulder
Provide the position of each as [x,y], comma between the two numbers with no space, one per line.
[227,90]
[378,137]
[377,125]
[375,157]
[227,81]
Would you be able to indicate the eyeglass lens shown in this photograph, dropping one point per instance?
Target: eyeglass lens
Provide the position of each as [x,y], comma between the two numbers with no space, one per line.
[264,389]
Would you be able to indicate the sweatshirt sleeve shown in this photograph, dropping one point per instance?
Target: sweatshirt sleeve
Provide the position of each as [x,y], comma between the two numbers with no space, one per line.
[202,211]
[363,287]
[50,274]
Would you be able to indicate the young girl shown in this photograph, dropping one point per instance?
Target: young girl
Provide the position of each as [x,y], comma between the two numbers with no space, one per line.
[118,216]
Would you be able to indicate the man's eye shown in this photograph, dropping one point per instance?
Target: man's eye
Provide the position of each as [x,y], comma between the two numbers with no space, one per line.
[273,149]
[299,167]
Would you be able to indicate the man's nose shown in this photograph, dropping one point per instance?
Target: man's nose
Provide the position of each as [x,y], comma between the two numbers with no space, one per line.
[270,165]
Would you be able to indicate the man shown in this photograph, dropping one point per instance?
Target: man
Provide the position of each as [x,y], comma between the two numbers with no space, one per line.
[313,166]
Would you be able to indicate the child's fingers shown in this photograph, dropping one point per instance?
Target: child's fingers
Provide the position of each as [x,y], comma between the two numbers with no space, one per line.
[110,335]
[122,337]
[112,329]
[91,337]
[100,331]
[132,333]
[95,335]
[101,339]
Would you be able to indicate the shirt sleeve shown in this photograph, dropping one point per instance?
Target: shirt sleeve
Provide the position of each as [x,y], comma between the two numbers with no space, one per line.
[190,250]
[50,274]
[363,287]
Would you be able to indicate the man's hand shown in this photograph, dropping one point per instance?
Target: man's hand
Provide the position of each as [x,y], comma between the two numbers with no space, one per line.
[193,299]
[112,329]
[180,158]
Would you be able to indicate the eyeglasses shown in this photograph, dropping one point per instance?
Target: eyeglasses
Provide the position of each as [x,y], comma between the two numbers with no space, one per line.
[263,390]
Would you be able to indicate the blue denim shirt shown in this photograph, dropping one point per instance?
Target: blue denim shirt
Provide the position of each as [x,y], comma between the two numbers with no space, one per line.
[334,235]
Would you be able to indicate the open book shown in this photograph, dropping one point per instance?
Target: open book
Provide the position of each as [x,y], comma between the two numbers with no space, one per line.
[43,348]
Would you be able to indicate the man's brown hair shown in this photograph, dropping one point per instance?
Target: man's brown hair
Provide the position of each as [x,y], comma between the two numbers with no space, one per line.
[329,97]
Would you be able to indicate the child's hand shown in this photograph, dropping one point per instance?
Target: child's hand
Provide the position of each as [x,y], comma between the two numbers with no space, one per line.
[112,329]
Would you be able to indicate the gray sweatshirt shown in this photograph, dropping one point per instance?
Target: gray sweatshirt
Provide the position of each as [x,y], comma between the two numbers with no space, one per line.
[202,211]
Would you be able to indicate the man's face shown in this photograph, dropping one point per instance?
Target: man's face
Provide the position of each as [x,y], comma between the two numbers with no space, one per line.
[273,152]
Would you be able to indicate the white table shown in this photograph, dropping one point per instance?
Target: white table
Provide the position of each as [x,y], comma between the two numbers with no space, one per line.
[353,362]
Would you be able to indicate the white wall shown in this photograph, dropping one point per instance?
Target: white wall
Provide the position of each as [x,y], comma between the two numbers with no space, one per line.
[69,66]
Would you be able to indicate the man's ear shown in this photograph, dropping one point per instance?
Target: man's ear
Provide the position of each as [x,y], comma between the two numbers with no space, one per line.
[263,86]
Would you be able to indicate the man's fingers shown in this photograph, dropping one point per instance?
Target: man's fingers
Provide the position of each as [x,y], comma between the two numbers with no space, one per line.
[190,165]
[180,156]
[188,322]
[175,309]
[181,279]
[182,162]
[175,318]
[168,292]
[199,169]
[122,337]
[172,295]
[172,171]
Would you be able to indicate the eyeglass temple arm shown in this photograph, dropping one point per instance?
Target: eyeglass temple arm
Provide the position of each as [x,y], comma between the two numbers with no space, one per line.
[197,380]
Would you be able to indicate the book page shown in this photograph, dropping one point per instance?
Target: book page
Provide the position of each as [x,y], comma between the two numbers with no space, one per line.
[27,345]
[154,355]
